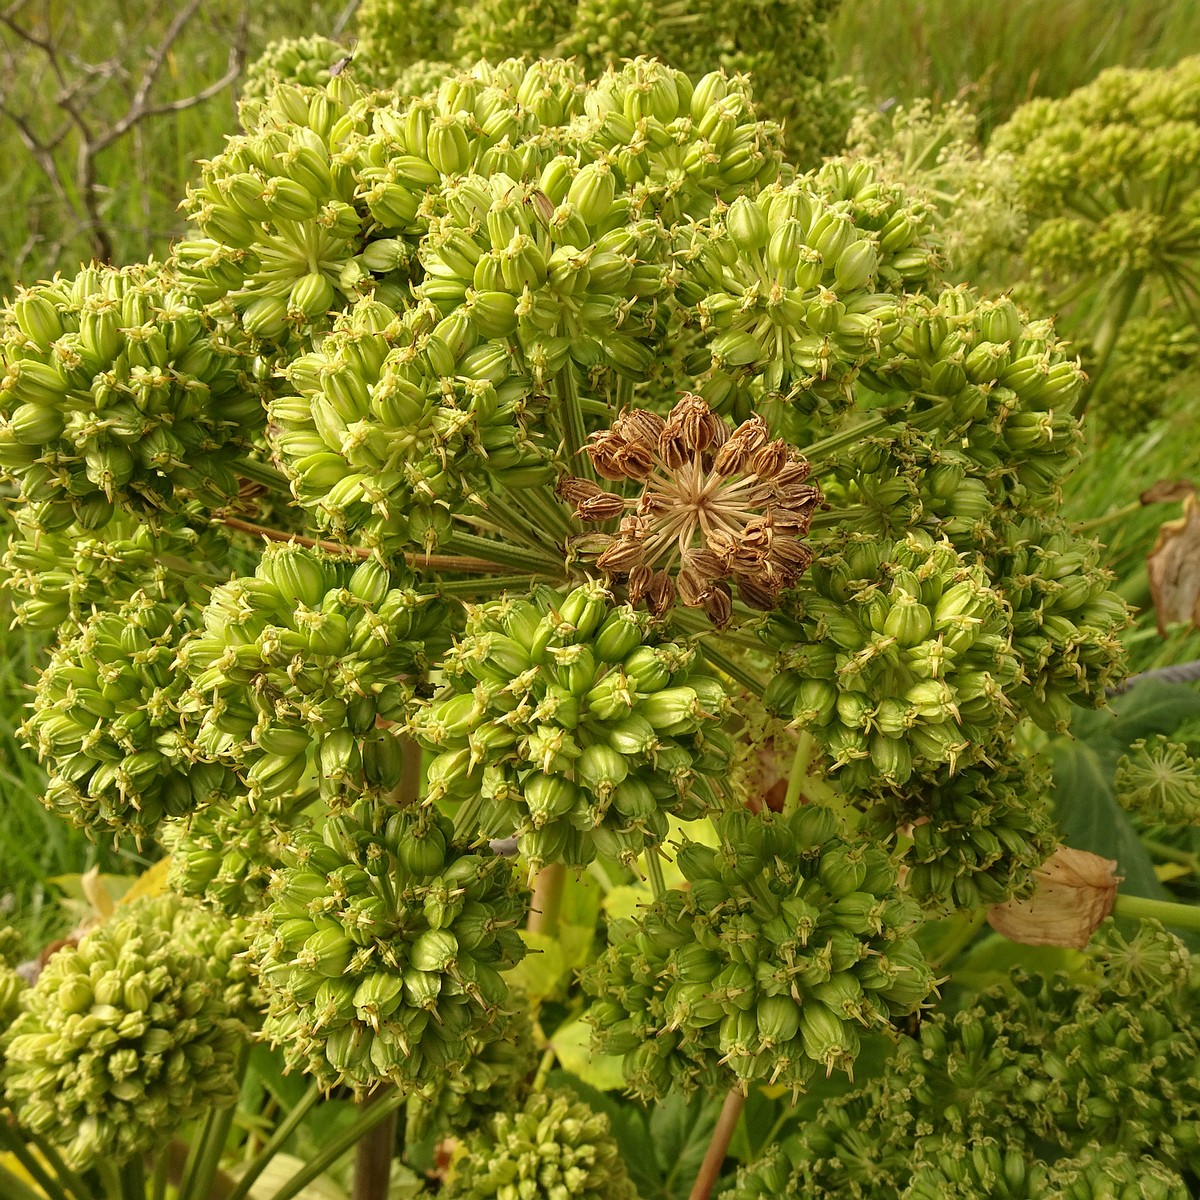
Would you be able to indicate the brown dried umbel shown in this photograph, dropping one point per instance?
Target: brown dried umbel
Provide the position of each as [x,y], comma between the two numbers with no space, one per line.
[718,506]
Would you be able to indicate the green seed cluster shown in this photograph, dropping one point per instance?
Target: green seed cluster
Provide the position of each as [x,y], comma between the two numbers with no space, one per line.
[115,392]
[330,193]
[1090,169]
[219,940]
[553,1147]
[493,1081]
[783,48]
[902,225]
[556,262]
[396,420]
[983,374]
[898,658]
[106,719]
[989,1169]
[934,151]
[382,950]
[495,29]
[64,574]
[977,834]
[296,666]
[983,1169]
[1046,1066]
[305,61]
[392,34]
[277,228]
[224,854]
[1152,352]
[579,726]
[788,942]
[1100,1174]
[12,989]
[762,1177]
[1159,780]
[786,291]
[1066,618]
[678,146]
[422,77]
[124,1039]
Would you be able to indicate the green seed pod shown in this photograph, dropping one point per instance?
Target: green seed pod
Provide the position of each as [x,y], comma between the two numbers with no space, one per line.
[123,1047]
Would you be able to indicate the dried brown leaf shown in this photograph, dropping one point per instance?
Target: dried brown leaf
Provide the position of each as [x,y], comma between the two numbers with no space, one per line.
[1075,890]
[1174,569]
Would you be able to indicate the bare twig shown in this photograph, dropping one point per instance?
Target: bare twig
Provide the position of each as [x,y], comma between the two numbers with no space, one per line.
[68,155]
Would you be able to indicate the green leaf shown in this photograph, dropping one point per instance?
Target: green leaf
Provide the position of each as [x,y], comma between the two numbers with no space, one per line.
[539,973]
[627,900]
[577,942]
[1091,819]
[267,1065]
[681,1130]
[573,1045]
[1153,707]
[581,901]
[990,960]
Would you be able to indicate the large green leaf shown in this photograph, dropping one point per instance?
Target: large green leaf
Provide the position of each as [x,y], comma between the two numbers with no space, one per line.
[681,1130]
[1091,819]
[1152,707]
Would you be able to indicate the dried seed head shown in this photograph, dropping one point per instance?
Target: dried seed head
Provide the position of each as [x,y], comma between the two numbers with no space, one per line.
[717,507]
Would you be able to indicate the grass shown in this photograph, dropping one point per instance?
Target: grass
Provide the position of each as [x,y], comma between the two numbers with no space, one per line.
[35,845]
[1001,54]
[141,180]
[140,177]
[1107,484]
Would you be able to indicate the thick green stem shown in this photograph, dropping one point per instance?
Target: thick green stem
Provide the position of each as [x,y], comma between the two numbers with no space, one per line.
[16,1188]
[800,761]
[546,513]
[279,1139]
[751,682]
[1173,854]
[477,589]
[574,431]
[546,903]
[1105,341]
[321,1163]
[110,1181]
[654,872]
[204,1161]
[819,450]
[520,557]
[69,1179]
[373,1154]
[262,473]
[543,1071]
[1179,916]
[161,1176]
[718,1146]
[133,1180]
[512,519]
[1117,514]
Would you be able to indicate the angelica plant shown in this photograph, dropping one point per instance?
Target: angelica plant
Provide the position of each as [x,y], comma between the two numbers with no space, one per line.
[502,470]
